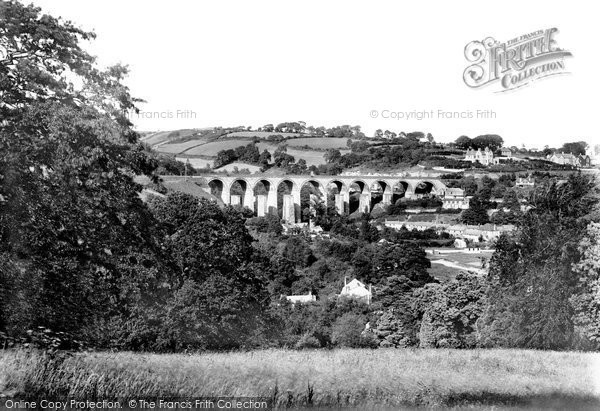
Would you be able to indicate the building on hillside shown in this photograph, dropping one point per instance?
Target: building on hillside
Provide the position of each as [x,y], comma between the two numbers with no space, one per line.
[415,225]
[301,298]
[467,232]
[506,152]
[564,158]
[485,157]
[460,243]
[455,198]
[525,181]
[585,160]
[594,153]
[487,232]
[356,289]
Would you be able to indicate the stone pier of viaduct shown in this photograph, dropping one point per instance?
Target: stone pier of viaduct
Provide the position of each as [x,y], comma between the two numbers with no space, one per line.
[271,194]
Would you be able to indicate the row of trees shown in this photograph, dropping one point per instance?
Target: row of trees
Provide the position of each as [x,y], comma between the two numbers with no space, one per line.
[246,154]
[492,141]
[300,127]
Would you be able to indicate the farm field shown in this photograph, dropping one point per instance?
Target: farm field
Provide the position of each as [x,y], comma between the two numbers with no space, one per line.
[260,134]
[443,273]
[446,266]
[358,378]
[197,162]
[166,136]
[318,142]
[311,157]
[200,146]
[177,148]
[212,148]
[240,166]
[156,138]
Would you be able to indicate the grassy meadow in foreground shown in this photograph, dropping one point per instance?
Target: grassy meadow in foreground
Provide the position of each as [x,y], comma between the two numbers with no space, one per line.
[389,377]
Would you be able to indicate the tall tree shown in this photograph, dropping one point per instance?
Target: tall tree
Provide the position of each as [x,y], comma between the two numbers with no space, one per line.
[531,277]
[586,299]
[79,246]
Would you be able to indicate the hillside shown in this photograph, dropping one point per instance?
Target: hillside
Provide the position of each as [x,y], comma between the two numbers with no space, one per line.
[200,146]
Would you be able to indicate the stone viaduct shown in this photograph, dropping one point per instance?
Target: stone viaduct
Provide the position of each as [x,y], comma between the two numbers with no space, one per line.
[270,194]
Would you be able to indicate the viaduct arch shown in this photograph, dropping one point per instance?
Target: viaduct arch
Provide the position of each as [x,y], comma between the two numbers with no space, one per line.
[281,194]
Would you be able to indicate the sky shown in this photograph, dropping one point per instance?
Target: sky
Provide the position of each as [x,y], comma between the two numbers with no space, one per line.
[250,63]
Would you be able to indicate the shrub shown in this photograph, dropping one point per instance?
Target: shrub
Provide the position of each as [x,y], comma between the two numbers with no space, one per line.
[349,331]
[307,341]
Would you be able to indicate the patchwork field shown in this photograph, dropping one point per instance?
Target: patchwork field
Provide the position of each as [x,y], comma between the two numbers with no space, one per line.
[184,144]
[359,378]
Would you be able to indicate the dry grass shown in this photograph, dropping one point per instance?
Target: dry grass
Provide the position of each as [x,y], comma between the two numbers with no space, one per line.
[321,378]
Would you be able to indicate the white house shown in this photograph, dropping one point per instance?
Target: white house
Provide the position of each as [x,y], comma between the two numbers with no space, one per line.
[562,158]
[455,198]
[356,289]
[594,153]
[301,298]
[525,181]
[460,243]
[485,157]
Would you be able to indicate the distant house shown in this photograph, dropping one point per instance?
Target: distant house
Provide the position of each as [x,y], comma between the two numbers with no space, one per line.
[460,243]
[485,157]
[506,152]
[594,153]
[487,232]
[562,158]
[356,289]
[470,232]
[301,298]
[454,198]
[414,225]
[585,160]
[525,181]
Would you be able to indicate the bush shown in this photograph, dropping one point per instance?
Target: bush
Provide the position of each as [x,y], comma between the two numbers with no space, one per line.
[349,331]
[307,341]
